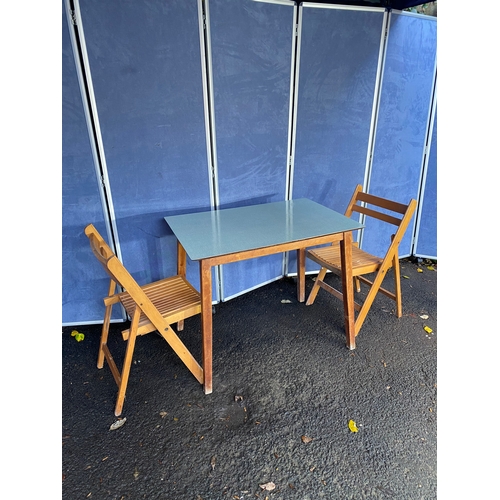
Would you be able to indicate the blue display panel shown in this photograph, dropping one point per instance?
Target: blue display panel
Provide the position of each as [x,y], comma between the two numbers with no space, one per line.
[251,54]
[426,241]
[84,283]
[403,120]
[146,69]
[147,76]
[340,51]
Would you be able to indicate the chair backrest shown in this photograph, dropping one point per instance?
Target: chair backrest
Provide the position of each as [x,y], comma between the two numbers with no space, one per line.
[120,275]
[102,251]
[391,212]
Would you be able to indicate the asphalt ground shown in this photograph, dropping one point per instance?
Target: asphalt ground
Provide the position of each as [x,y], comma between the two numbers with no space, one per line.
[277,423]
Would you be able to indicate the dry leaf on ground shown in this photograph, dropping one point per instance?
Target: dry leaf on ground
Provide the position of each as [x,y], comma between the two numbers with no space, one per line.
[306,439]
[79,336]
[118,424]
[268,486]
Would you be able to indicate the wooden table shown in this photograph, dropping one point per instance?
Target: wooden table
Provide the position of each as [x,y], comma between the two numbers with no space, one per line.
[234,234]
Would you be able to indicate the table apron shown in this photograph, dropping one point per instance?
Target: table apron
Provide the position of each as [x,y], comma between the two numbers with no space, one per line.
[270,250]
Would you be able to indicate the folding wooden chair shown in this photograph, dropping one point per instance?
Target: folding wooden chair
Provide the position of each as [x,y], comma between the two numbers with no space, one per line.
[154,306]
[363,263]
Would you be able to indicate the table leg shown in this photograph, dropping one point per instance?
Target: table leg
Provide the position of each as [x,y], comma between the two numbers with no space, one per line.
[181,271]
[301,274]
[348,289]
[181,260]
[206,324]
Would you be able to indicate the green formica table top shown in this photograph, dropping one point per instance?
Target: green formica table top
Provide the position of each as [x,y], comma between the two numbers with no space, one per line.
[221,232]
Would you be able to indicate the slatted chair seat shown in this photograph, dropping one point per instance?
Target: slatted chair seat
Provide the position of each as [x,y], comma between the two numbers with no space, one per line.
[174,298]
[154,306]
[363,263]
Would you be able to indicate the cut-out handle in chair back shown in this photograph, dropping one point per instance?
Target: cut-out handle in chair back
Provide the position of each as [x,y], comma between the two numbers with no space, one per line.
[154,306]
[396,214]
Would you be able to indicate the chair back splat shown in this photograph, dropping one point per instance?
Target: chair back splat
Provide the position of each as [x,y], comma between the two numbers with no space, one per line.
[154,306]
[372,207]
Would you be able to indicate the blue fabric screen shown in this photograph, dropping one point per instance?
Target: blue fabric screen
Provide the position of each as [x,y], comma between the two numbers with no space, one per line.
[84,282]
[147,82]
[145,65]
[251,49]
[426,241]
[339,58]
[403,118]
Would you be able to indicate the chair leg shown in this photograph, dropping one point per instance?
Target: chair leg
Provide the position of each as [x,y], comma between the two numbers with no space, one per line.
[104,336]
[316,286]
[357,284]
[122,387]
[374,289]
[108,302]
[397,285]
